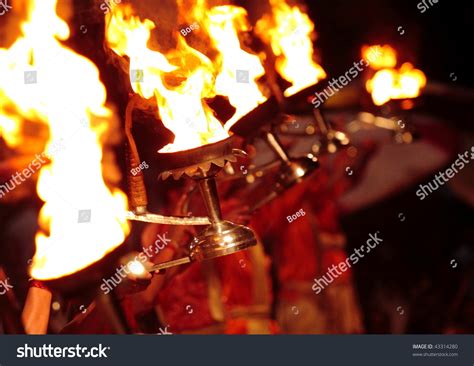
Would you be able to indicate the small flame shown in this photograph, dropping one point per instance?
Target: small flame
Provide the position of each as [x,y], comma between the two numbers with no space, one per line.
[290,32]
[10,125]
[389,83]
[136,268]
[386,56]
[179,81]
[81,220]
[238,69]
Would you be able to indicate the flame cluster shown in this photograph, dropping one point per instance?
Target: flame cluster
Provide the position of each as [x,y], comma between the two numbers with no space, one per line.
[179,86]
[232,72]
[390,83]
[182,79]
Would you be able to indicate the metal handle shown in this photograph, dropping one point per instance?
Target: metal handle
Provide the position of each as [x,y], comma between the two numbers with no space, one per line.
[275,145]
[166,220]
[169,264]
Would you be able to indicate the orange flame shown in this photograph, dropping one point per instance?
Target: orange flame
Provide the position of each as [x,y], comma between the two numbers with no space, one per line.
[238,69]
[386,56]
[289,32]
[81,220]
[389,83]
[180,102]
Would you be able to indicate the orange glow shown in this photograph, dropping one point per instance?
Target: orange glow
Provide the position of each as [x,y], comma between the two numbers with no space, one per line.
[289,32]
[180,104]
[387,56]
[389,83]
[10,125]
[69,98]
[238,69]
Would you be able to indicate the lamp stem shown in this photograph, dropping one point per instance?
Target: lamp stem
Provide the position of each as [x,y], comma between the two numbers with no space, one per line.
[322,124]
[275,145]
[209,193]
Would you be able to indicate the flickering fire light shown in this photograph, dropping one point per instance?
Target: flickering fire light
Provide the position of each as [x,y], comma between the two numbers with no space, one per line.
[238,69]
[290,32]
[137,268]
[82,219]
[390,83]
[386,56]
[181,106]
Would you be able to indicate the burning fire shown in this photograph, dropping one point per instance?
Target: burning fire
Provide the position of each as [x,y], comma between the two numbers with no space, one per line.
[234,64]
[290,32]
[389,83]
[386,56]
[179,81]
[81,220]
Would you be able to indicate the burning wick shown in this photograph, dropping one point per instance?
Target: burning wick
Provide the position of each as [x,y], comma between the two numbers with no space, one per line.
[137,269]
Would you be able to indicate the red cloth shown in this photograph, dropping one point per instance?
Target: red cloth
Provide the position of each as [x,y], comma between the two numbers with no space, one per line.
[298,255]
[184,300]
[95,321]
[188,292]
[236,273]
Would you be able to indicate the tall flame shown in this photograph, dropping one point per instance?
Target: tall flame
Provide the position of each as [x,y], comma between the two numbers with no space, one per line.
[289,32]
[179,81]
[390,83]
[81,220]
[238,69]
